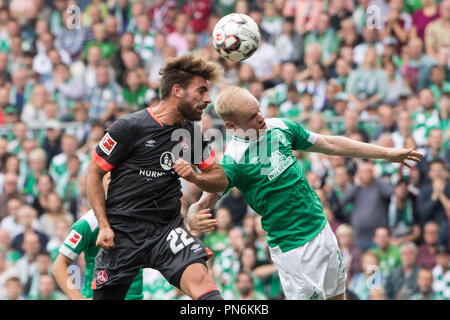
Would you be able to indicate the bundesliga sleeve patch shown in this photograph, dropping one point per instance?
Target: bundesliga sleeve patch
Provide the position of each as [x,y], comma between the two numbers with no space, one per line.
[107,144]
[73,239]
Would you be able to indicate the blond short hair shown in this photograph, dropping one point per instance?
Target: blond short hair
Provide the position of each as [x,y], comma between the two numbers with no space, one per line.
[229,99]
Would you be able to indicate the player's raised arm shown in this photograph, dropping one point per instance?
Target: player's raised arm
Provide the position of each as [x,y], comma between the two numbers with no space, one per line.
[342,146]
[212,179]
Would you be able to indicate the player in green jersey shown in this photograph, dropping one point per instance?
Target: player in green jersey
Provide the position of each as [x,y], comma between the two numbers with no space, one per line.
[82,238]
[259,162]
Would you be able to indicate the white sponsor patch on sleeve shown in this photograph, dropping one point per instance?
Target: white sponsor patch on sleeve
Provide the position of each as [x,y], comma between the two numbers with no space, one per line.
[312,137]
[107,144]
[73,239]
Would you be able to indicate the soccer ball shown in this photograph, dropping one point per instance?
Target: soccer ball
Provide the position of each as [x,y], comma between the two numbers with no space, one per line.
[236,36]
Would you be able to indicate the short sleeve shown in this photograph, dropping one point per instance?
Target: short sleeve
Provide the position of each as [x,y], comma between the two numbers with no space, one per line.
[301,138]
[114,147]
[231,171]
[77,240]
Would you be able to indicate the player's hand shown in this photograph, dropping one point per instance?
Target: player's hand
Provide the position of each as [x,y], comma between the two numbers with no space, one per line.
[184,170]
[201,221]
[105,238]
[404,156]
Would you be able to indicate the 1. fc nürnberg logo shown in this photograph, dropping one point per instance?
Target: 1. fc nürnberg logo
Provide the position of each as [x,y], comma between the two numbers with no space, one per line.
[167,160]
[102,277]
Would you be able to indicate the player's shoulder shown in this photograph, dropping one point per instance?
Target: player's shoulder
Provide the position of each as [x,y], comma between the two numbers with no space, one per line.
[90,219]
[87,224]
[279,123]
[133,119]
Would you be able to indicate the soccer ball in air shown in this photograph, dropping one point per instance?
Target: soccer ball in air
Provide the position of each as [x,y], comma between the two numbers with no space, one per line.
[236,37]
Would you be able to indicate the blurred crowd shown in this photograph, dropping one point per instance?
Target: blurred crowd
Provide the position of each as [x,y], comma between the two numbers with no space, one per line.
[376,71]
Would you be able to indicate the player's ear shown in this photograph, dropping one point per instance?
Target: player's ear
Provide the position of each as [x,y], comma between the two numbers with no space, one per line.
[177,91]
[229,125]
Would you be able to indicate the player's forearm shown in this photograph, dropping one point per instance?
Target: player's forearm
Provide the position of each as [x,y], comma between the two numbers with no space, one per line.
[64,279]
[213,180]
[342,146]
[96,194]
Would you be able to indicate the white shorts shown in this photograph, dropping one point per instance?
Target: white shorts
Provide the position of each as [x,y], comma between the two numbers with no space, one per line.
[314,271]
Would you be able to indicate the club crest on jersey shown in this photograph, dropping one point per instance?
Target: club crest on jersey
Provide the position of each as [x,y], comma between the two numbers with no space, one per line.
[167,160]
[102,277]
[107,144]
[73,239]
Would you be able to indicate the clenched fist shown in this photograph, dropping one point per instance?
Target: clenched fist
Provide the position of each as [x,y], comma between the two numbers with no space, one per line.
[184,170]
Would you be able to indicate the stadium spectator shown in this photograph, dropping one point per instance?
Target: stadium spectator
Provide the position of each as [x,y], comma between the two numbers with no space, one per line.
[368,278]
[441,273]
[70,39]
[217,240]
[135,93]
[422,17]
[352,125]
[328,39]
[370,40]
[100,40]
[436,31]
[306,13]
[433,197]
[403,215]
[62,228]
[33,111]
[416,65]
[265,63]
[289,44]
[351,254]
[386,116]
[7,270]
[14,289]
[426,252]
[425,285]
[43,267]
[47,289]
[370,198]
[434,150]
[227,264]
[245,288]
[398,24]
[28,221]
[367,85]
[388,255]
[26,265]
[401,283]
[9,191]
[54,210]
[425,118]
[64,90]
[103,98]
[144,39]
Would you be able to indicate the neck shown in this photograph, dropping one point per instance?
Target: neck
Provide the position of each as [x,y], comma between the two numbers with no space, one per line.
[167,112]
[407,269]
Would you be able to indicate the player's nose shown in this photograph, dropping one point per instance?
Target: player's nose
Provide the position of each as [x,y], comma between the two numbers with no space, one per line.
[206,98]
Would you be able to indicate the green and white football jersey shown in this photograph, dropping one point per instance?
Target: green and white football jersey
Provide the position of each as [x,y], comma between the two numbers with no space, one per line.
[273,184]
[82,238]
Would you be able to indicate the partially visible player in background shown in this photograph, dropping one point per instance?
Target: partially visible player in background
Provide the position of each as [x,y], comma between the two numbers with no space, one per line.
[81,239]
[259,162]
